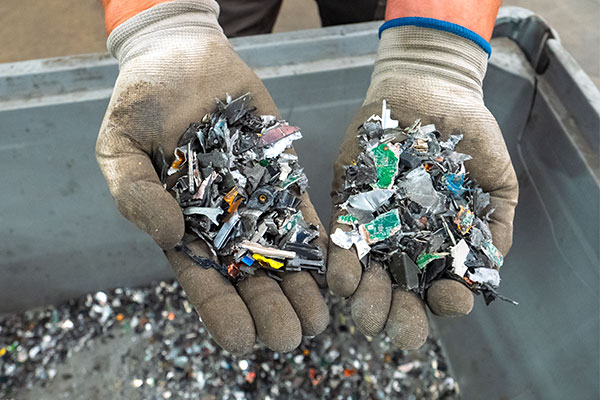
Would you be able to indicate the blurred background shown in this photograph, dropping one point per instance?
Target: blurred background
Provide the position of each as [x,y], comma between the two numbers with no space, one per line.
[32,29]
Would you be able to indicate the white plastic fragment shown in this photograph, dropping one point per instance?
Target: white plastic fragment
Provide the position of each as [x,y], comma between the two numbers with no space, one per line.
[279,146]
[240,179]
[386,120]
[341,239]
[267,118]
[136,383]
[101,298]
[362,247]
[459,256]
[485,275]
[66,325]
[285,171]
[267,251]
[287,157]
[345,240]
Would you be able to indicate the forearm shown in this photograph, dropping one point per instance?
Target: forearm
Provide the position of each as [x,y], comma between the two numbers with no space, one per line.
[118,11]
[476,15]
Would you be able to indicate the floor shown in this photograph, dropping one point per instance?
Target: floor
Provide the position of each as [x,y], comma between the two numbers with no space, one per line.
[32,29]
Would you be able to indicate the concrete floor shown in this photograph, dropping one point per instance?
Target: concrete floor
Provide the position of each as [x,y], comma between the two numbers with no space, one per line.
[37,29]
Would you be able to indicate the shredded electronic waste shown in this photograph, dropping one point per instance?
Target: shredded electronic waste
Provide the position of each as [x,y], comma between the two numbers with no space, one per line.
[240,193]
[413,209]
[149,343]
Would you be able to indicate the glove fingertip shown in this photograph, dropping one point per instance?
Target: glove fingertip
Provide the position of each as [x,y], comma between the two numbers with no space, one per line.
[243,342]
[407,325]
[343,271]
[372,300]
[449,298]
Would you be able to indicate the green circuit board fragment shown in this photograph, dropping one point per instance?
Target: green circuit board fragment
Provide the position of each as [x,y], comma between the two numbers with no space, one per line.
[347,219]
[381,227]
[425,258]
[386,158]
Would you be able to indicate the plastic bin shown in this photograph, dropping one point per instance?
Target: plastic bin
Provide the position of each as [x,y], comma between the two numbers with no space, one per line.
[61,235]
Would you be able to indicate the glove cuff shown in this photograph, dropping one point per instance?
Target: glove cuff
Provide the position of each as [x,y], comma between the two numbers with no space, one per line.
[430,56]
[440,25]
[173,18]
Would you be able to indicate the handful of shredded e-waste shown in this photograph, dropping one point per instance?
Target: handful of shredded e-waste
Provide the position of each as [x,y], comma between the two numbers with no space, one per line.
[413,209]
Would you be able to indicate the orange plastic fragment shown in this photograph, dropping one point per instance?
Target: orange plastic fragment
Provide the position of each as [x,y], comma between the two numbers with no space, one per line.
[233,200]
[250,376]
[179,160]
[314,378]
[234,206]
[231,195]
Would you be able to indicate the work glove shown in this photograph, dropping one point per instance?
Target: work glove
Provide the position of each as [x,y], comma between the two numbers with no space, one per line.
[174,61]
[435,76]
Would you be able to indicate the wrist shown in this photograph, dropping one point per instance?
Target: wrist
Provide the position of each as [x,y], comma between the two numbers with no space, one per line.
[429,58]
[477,16]
[439,25]
[118,11]
[170,22]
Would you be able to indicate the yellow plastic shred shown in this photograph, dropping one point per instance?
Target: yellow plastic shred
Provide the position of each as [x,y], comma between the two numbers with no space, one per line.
[264,260]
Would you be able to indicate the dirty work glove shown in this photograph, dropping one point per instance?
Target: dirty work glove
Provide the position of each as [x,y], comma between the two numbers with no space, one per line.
[435,76]
[174,62]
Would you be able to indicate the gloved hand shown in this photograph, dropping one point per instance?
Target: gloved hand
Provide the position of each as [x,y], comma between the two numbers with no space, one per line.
[174,62]
[435,76]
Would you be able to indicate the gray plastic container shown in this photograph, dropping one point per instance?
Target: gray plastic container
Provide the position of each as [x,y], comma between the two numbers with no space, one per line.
[61,235]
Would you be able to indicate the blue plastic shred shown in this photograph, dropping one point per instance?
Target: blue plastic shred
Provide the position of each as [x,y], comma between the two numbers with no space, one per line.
[248,260]
[454,183]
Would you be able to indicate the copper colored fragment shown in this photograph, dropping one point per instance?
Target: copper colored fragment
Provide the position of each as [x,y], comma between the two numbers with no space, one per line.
[276,133]
[233,270]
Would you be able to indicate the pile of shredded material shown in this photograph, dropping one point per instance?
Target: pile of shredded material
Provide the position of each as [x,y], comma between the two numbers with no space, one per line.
[413,209]
[147,343]
[239,193]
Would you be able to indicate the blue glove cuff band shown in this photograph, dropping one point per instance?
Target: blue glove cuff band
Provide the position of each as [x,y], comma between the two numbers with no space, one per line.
[441,26]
